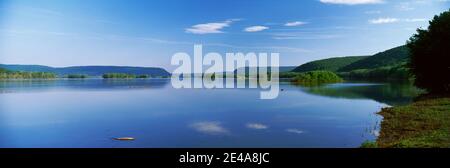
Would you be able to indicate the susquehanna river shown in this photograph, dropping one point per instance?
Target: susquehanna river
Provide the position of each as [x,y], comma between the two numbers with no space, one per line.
[91,112]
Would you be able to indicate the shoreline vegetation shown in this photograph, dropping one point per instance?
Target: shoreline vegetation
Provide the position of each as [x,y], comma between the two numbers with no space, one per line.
[124,76]
[316,78]
[422,124]
[7,74]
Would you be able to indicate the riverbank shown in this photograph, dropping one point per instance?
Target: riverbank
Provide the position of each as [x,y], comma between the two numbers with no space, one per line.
[422,124]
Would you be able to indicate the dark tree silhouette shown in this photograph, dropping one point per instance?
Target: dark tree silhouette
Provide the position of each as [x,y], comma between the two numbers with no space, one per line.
[430,55]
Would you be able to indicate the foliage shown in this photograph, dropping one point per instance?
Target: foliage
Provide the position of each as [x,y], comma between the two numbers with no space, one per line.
[387,58]
[387,72]
[88,70]
[316,77]
[430,54]
[390,64]
[289,75]
[369,144]
[27,75]
[331,64]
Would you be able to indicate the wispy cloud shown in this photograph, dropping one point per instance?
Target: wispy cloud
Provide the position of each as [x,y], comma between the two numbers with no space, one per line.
[352,2]
[110,37]
[395,20]
[304,36]
[210,28]
[416,20]
[296,23]
[46,11]
[209,127]
[405,6]
[256,28]
[257,126]
[383,20]
[277,48]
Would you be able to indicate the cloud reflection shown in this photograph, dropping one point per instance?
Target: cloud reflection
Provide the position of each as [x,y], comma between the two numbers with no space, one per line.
[208,127]
[296,131]
[257,126]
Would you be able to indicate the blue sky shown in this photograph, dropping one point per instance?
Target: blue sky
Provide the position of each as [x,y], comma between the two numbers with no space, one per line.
[147,33]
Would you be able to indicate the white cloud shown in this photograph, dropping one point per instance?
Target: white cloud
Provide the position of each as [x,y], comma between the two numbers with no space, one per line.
[210,28]
[296,23]
[209,127]
[256,28]
[256,126]
[416,20]
[383,20]
[352,2]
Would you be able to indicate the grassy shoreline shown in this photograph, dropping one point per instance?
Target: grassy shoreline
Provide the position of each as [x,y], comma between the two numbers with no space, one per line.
[422,124]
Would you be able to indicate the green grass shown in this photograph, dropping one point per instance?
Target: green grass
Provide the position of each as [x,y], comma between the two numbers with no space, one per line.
[423,124]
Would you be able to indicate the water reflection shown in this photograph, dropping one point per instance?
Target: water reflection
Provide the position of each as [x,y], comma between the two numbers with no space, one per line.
[8,86]
[295,131]
[208,127]
[393,94]
[87,113]
[257,126]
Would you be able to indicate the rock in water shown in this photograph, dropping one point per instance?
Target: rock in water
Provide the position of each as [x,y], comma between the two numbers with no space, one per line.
[124,138]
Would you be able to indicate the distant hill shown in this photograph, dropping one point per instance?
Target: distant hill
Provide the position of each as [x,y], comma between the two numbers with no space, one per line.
[88,70]
[390,64]
[3,70]
[27,68]
[281,69]
[390,57]
[330,64]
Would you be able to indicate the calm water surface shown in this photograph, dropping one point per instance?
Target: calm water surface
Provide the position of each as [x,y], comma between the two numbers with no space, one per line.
[90,112]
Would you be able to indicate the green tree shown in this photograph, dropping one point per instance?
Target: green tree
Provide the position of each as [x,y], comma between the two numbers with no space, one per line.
[430,55]
[316,77]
